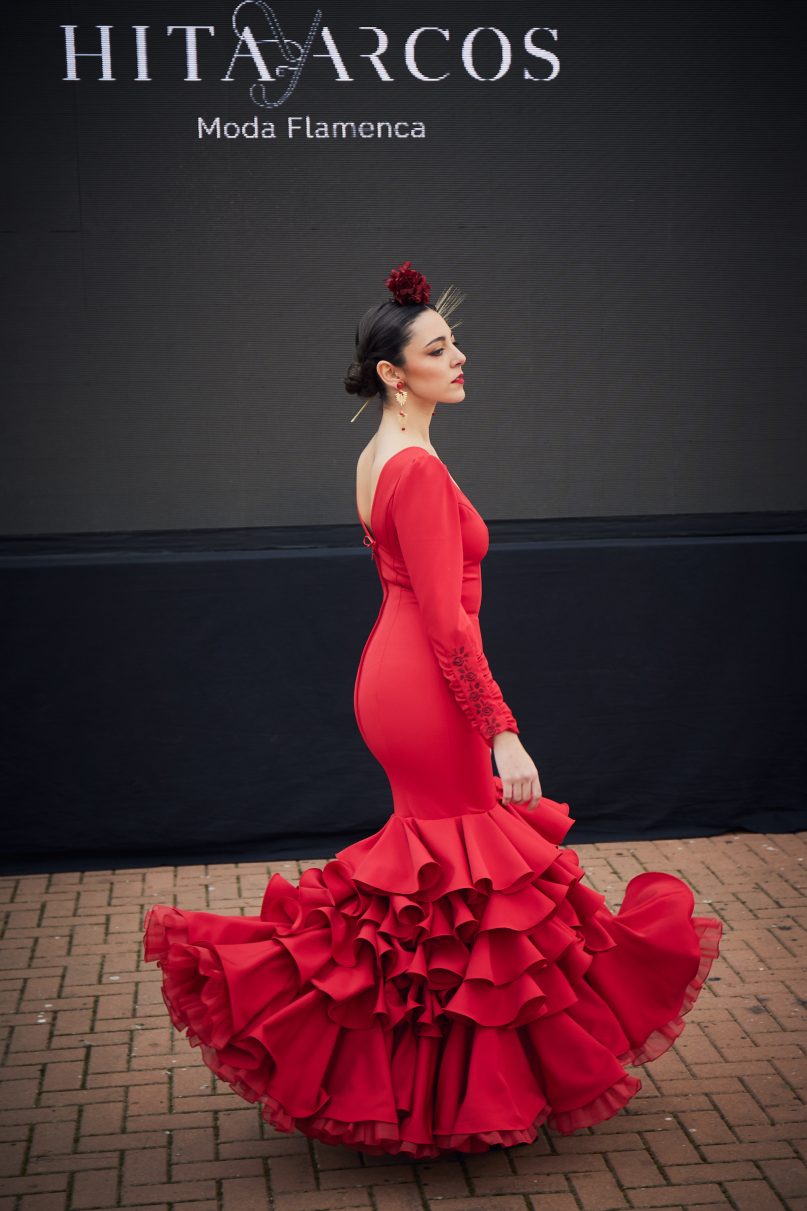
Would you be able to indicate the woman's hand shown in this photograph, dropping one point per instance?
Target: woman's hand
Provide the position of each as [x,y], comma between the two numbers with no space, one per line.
[520,782]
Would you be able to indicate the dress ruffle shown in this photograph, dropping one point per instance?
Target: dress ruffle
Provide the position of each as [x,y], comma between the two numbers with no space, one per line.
[444,984]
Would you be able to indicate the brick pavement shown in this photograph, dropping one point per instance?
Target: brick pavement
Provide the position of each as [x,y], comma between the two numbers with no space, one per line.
[103,1105]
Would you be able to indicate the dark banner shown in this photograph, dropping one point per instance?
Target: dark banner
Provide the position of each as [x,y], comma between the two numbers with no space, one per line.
[202,198]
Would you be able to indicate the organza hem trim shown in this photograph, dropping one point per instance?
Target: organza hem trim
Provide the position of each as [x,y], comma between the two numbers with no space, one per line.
[709,931]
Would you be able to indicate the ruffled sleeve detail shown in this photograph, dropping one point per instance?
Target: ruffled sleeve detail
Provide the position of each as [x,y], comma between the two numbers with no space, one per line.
[426,514]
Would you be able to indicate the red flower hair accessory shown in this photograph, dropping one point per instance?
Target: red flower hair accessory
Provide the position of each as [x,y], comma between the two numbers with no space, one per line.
[407,285]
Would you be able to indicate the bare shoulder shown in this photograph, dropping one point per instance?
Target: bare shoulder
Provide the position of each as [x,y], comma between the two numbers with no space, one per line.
[382,453]
[375,456]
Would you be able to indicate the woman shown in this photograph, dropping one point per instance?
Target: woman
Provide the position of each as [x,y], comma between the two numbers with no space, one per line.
[428,543]
[448,983]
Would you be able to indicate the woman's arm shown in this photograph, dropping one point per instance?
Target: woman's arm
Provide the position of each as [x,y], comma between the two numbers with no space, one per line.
[427,520]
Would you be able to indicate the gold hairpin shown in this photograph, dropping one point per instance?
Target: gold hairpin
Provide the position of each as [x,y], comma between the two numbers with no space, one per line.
[448,301]
[364,405]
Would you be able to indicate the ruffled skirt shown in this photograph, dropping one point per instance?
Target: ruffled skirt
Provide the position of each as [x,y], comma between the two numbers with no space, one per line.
[442,985]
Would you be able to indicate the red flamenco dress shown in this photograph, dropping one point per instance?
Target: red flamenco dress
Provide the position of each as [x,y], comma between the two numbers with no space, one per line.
[449,983]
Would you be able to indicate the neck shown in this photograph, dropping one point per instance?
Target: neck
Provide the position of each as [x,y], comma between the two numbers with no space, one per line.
[417,422]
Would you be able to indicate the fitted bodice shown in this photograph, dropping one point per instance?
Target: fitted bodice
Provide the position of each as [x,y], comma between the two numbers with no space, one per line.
[386,549]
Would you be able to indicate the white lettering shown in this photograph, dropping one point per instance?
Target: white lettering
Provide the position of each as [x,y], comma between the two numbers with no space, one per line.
[539,53]
[249,129]
[467,53]
[254,54]
[298,124]
[381,49]
[191,64]
[382,45]
[293,55]
[409,52]
[141,52]
[332,53]
[104,54]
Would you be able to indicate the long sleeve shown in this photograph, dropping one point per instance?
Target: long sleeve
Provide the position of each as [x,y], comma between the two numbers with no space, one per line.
[427,521]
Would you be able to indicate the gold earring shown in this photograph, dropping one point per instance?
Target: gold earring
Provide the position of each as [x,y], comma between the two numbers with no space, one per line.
[400,396]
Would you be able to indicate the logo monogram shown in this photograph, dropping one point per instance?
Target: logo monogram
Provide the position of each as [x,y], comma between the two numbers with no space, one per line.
[293,54]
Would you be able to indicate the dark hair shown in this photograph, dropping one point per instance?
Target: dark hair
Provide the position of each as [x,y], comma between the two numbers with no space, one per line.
[381,334]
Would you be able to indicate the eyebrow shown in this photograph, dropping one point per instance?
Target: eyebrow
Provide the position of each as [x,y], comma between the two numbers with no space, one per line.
[431,342]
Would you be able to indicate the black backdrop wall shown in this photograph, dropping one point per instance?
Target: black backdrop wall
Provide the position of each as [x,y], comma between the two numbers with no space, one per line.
[618,190]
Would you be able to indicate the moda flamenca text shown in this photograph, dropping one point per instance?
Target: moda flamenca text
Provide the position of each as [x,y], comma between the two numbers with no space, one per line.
[305,127]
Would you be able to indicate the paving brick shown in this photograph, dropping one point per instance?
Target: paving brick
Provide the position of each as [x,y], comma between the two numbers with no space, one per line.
[192,1144]
[770,1149]
[176,1192]
[63,1076]
[553,1202]
[440,1178]
[95,1189]
[34,1183]
[712,1171]
[397,1198]
[11,1158]
[673,1146]
[598,1191]
[73,1162]
[292,1173]
[56,1201]
[508,1202]
[740,1108]
[238,1167]
[105,1059]
[678,1196]
[753,1196]
[18,1096]
[636,1168]
[788,1177]
[53,1138]
[326,1200]
[104,1118]
[147,1165]
[706,1127]
[526,1184]
[147,1099]
[358,1176]
[245,1194]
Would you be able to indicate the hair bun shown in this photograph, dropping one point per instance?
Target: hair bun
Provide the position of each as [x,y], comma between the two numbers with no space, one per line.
[359,379]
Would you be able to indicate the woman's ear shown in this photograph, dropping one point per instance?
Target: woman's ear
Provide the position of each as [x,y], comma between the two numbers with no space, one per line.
[387,373]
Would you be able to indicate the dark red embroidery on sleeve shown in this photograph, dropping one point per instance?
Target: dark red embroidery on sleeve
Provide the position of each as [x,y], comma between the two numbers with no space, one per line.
[469,687]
